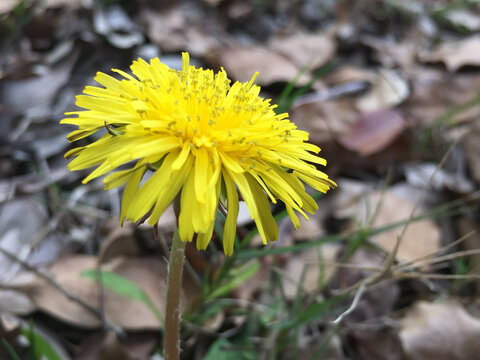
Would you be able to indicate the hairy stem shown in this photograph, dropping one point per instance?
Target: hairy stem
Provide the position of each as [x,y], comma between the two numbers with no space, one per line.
[173,307]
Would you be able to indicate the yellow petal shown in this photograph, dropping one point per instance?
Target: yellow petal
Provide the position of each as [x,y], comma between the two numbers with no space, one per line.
[230,228]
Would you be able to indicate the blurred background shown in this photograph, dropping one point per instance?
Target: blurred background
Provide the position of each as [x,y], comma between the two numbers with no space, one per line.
[387,268]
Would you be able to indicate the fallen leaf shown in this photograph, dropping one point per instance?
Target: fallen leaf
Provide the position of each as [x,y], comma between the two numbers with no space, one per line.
[147,273]
[379,342]
[440,331]
[314,50]
[389,90]
[376,301]
[242,62]
[309,270]
[421,237]
[471,147]
[455,54]
[120,242]
[7,6]
[430,175]
[373,132]
[324,120]
[463,18]
[180,28]
[392,53]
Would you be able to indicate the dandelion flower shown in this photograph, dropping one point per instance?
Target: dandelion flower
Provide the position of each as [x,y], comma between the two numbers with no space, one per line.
[205,140]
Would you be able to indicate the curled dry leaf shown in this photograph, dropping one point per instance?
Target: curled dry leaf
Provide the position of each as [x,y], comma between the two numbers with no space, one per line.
[389,90]
[440,331]
[120,242]
[455,54]
[373,132]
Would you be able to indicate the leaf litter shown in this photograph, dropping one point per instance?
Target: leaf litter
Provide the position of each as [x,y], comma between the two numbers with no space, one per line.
[398,84]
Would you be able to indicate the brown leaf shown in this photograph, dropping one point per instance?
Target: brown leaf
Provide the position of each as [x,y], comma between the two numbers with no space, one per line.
[440,331]
[472,150]
[377,300]
[421,237]
[324,120]
[147,273]
[308,270]
[379,342]
[455,54]
[373,132]
[242,62]
[303,49]
[8,5]
[179,29]
[389,90]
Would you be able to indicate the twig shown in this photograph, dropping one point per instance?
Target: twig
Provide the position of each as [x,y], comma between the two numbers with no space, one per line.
[69,295]
[391,257]
[414,262]
[356,300]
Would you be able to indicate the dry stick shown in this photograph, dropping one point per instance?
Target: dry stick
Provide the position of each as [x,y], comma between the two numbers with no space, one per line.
[391,257]
[173,306]
[416,275]
[69,295]
[426,258]
[352,307]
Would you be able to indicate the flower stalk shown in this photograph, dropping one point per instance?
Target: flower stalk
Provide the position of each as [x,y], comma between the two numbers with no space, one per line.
[173,308]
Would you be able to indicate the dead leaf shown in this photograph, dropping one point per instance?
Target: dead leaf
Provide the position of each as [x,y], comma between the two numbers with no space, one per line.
[7,6]
[389,90]
[421,237]
[455,54]
[392,53]
[180,28]
[462,17]
[349,73]
[120,242]
[420,175]
[34,96]
[314,50]
[377,300]
[324,120]
[471,147]
[440,331]
[379,342]
[147,273]
[373,132]
[242,62]
[309,270]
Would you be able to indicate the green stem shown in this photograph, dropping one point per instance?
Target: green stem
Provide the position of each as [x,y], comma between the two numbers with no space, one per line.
[173,308]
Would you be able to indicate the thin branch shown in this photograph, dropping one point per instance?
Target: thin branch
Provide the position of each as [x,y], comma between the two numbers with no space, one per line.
[427,256]
[356,300]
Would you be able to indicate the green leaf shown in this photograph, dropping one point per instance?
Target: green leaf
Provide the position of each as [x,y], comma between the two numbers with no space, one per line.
[237,277]
[123,287]
[39,347]
[10,350]
[222,349]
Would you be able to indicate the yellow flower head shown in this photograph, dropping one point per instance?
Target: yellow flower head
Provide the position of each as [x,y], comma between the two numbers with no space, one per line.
[201,137]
